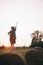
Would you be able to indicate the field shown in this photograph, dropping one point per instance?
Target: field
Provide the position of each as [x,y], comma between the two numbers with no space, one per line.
[34,54]
[17,50]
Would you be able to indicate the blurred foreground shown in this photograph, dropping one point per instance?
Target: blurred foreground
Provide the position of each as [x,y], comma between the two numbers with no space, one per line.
[21,56]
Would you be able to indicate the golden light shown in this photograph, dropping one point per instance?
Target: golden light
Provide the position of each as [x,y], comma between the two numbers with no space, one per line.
[28,15]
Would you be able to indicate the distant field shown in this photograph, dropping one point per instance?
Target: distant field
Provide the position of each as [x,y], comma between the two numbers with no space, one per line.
[15,50]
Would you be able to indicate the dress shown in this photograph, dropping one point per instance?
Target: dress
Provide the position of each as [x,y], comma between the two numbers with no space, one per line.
[12,36]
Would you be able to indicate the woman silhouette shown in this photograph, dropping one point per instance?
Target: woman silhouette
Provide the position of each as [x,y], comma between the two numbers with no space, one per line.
[12,35]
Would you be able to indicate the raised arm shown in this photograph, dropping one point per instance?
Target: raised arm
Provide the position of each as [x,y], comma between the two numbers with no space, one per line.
[16,26]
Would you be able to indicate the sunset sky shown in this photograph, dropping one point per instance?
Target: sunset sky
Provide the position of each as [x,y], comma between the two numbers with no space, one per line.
[29,17]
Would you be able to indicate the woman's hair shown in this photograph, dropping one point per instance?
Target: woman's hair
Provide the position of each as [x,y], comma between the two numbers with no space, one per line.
[12,27]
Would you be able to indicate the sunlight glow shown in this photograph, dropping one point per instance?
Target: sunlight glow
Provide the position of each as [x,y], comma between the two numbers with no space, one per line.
[29,17]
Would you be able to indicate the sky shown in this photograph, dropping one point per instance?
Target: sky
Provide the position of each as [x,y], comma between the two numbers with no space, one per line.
[29,17]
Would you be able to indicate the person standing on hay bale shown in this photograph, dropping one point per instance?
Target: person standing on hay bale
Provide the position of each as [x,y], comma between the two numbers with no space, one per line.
[12,35]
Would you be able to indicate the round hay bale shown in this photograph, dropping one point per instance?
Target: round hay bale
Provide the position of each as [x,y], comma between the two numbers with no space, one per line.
[31,57]
[34,56]
[11,59]
[40,51]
